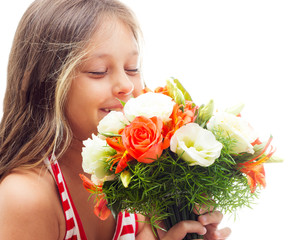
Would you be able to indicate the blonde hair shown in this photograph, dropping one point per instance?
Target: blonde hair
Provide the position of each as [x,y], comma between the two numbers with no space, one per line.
[49,44]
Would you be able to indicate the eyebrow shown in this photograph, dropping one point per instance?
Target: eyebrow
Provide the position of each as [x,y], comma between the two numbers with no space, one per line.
[103,55]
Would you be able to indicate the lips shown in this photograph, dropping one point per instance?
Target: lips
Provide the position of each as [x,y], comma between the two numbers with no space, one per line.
[110,108]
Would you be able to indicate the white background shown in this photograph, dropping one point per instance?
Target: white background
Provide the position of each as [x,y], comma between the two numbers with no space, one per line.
[230,51]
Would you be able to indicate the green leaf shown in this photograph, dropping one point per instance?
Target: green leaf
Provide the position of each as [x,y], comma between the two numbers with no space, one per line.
[275,159]
[205,112]
[122,102]
[236,109]
[110,135]
[175,92]
[182,89]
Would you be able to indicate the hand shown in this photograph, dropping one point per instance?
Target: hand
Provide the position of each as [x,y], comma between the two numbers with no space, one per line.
[206,225]
[210,221]
[179,230]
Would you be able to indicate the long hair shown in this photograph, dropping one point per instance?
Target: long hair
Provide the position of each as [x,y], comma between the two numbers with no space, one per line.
[49,43]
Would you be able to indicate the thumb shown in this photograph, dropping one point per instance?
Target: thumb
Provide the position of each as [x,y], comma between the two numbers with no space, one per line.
[179,230]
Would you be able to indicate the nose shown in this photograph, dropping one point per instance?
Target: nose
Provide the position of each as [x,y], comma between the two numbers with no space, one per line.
[123,86]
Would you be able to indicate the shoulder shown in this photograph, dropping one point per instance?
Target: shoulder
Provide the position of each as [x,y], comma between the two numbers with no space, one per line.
[28,198]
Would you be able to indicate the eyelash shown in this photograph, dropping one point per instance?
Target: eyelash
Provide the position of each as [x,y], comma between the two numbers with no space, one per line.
[98,73]
[131,71]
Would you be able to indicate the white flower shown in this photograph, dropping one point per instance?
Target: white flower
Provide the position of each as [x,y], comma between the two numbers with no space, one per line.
[94,156]
[149,105]
[112,122]
[235,128]
[99,181]
[197,145]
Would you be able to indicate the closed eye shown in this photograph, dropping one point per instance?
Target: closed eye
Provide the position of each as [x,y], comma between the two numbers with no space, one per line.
[132,71]
[98,74]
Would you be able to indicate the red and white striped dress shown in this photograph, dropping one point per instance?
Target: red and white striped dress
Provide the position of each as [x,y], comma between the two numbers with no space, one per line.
[126,228]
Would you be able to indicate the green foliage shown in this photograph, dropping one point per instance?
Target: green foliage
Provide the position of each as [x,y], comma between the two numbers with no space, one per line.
[205,112]
[175,93]
[171,181]
[182,89]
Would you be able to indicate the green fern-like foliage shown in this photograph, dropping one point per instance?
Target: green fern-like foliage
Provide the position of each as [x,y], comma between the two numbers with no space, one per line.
[171,181]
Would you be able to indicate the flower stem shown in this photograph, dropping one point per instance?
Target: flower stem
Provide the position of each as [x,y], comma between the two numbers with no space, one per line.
[177,214]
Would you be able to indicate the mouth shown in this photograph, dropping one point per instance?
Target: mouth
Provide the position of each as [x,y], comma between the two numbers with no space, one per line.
[107,110]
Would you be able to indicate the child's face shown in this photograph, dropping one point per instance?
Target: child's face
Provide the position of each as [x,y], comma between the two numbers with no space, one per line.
[109,72]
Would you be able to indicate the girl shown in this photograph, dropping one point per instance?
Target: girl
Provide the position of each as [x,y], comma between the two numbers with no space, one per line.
[70,61]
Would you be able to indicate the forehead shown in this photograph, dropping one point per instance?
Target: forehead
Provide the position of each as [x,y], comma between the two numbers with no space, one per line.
[111,34]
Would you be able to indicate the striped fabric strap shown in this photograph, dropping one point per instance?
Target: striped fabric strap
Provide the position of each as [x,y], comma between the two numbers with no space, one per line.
[127,224]
[74,229]
[126,228]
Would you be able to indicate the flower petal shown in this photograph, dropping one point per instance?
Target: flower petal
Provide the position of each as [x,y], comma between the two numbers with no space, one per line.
[197,146]
[101,210]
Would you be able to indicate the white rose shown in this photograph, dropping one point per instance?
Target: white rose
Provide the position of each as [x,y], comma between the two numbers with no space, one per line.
[149,105]
[197,145]
[112,122]
[235,128]
[94,156]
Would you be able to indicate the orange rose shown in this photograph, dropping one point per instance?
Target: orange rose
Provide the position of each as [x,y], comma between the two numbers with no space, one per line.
[143,139]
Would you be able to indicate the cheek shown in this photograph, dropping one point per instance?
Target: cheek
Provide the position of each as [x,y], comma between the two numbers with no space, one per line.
[79,119]
[81,110]
[79,101]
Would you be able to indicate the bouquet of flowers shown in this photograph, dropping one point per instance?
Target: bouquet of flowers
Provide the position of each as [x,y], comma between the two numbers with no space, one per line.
[163,154]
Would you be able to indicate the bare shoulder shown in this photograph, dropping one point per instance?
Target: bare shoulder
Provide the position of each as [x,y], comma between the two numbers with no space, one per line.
[29,206]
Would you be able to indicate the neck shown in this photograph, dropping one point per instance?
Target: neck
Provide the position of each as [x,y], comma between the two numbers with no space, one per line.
[71,161]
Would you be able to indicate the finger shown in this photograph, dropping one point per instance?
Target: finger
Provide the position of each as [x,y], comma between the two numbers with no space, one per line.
[211,218]
[202,209]
[217,234]
[224,233]
[179,231]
